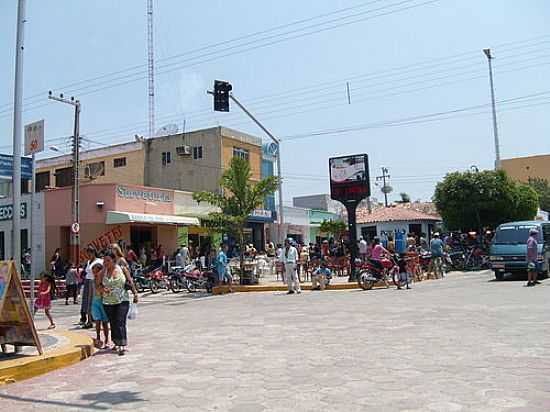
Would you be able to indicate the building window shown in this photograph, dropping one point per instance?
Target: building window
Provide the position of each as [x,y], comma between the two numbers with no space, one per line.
[42,181]
[197,152]
[119,162]
[94,170]
[242,153]
[64,177]
[166,158]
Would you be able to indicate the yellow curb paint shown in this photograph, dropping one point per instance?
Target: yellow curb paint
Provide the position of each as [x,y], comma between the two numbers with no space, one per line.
[219,290]
[79,348]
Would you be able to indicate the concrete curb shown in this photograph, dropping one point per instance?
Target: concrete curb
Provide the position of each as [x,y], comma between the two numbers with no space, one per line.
[79,348]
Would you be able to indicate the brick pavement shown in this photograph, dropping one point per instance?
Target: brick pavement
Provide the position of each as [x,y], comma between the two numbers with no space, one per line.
[464,343]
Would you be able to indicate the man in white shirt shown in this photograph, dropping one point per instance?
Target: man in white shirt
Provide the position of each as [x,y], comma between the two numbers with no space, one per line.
[182,256]
[363,248]
[290,258]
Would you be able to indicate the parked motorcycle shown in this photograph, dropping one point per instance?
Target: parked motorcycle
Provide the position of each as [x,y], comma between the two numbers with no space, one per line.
[176,279]
[196,278]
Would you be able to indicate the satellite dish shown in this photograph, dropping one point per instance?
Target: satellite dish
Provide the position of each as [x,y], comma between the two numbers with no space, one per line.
[167,130]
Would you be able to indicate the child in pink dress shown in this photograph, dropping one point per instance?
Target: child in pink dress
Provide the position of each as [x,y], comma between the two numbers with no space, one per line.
[43,301]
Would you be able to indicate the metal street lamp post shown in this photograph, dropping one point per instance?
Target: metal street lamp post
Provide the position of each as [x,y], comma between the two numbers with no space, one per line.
[495,128]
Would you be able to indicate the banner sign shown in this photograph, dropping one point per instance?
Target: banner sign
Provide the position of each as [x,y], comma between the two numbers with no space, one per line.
[6,212]
[6,167]
[16,323]
[34,138]
[349,177]
[102,241]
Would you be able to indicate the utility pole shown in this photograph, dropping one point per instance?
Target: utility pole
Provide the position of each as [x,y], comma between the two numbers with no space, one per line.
[75,227]
[493,104]
[151,68]
[222,94]
[385,188]
[17,128]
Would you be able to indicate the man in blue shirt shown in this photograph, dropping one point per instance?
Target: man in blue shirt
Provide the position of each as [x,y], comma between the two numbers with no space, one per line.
[221,263]
[436,247]
[319,277]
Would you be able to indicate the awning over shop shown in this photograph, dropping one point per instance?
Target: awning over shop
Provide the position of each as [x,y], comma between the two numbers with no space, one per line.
[115,217]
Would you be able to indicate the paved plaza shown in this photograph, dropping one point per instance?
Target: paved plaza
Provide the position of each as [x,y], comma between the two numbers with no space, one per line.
[464,343]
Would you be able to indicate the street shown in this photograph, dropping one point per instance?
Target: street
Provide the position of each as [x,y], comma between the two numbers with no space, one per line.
[464,343]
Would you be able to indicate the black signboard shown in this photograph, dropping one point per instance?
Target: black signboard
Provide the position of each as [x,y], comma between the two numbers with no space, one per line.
[349,177]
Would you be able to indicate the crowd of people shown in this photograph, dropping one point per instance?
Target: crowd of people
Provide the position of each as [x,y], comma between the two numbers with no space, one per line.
[103,282]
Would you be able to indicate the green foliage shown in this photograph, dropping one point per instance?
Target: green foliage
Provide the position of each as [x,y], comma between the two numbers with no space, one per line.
[472,201]
[335,227]
[405,198]
[543,190]
[239,199]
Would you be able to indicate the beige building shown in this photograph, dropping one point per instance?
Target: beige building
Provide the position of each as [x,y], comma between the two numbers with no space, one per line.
[196,160]
[187,161]
[522,168]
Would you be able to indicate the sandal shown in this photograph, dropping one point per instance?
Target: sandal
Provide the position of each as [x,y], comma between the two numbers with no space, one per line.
[52,326]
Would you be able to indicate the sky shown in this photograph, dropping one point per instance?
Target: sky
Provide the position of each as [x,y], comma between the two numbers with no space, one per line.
[418,79]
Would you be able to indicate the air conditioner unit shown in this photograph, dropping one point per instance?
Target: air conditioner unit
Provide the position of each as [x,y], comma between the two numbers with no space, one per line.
[183,150]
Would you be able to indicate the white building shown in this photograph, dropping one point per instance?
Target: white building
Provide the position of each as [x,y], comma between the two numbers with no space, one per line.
[385,221]
[6,215]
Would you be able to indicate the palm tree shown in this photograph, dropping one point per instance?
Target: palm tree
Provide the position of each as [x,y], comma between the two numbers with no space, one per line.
[238,199]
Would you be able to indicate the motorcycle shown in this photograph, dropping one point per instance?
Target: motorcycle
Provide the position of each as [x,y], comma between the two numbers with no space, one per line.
[199,279]
[176,279]
[393,268]
[157,281]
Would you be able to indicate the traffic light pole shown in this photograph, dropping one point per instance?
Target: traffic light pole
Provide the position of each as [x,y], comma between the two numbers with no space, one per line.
[278,143]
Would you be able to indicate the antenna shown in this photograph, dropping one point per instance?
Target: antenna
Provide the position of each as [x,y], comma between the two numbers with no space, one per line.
[151,67]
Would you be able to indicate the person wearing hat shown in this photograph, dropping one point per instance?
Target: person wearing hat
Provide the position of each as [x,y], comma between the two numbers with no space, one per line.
[290,258]
[532,256]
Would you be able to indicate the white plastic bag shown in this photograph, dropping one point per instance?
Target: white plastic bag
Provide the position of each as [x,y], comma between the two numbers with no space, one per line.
[133,312]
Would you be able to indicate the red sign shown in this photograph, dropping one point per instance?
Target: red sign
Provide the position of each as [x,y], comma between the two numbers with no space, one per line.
[103,241]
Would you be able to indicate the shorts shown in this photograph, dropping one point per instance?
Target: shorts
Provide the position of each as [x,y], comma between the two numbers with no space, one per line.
[533,266]
[98,311]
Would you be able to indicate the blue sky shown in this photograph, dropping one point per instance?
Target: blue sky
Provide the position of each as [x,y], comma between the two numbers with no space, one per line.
[403,59]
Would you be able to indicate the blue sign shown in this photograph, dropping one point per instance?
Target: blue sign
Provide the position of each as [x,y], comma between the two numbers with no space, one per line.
[6,167]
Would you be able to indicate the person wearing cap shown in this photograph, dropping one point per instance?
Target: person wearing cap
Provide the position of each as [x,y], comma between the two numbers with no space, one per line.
[532,256]
[290,258]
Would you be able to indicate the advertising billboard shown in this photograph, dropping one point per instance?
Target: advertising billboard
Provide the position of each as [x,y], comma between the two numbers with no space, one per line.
[349,177]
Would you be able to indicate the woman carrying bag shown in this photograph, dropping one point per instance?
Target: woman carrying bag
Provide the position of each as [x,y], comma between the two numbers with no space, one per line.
[116,300]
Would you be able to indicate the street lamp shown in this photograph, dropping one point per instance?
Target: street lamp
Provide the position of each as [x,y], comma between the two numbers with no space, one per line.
[495,128]
[56,149]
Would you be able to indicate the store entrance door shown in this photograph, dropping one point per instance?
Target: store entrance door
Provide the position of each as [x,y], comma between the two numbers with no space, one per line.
[141,236]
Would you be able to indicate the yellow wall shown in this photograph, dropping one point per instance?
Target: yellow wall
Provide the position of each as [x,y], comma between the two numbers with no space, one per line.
[255,155]
[131,174]
[522,168]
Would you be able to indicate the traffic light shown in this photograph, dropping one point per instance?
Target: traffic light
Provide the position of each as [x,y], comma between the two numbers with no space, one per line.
[221,95]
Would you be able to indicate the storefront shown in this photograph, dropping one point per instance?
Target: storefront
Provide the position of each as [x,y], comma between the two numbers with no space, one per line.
[256,227]
[316,217]
[142,217]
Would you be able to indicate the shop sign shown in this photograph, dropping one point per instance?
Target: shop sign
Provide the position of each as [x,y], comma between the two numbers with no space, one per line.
[6,167]
[143,194]
[6,212]
[265,214]
[102,241]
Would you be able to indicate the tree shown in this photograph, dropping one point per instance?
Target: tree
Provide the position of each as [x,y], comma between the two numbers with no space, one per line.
[477,200]
[238,199]
[405,198]
[543,190]
[335,227]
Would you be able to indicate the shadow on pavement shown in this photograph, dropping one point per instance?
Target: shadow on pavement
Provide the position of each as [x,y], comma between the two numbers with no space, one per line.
[102,401]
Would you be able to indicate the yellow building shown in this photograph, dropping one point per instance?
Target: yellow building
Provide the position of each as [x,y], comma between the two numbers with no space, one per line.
[522,168]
